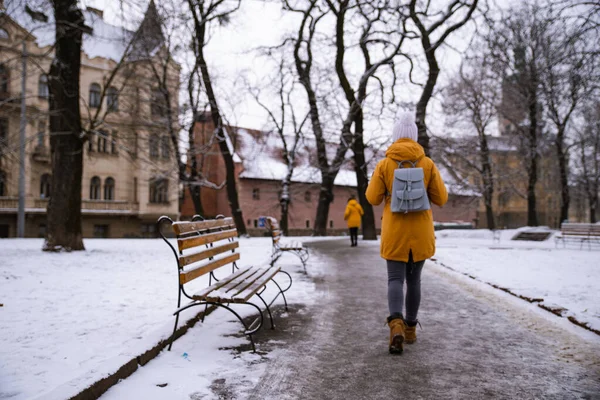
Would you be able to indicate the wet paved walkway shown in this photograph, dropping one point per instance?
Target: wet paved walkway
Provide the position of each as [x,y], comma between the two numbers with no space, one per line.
[474,343]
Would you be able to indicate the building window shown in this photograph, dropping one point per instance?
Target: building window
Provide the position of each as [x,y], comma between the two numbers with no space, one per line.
[307,223]
[159,191]
[330,223]
[90,145]
[135,190]
[113,143]
[157,102]
[256,223]
[4,34]
[41,133]
[4,82]
[307,196]
[109,189]
[256,194]
[95,95]
[133,145]
[165,147]
[3,132]
[112,99]
[95,188]
[45,186]
[153,143]
[100,231]
[2,183]
[148,230]
[43,90]
[102,142]
[248,222]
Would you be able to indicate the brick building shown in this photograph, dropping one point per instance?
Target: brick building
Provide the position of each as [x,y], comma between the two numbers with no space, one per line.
[129,172]
[260,169]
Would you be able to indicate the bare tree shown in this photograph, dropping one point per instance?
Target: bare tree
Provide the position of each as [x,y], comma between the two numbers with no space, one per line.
[567,70]
[284,119]
[66,140]
[472,99]
[303,59]
[515,48]
[379,22]
[203,14]
[588,154]
[434,27]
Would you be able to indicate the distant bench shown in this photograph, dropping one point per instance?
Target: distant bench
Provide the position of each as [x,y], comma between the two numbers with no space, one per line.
[280,247]
[578,232]
[207,245]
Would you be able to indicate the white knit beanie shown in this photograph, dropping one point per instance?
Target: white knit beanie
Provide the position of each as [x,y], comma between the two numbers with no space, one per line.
[405,127]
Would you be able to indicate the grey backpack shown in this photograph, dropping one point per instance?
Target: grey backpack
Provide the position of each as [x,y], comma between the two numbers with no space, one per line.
[408,190]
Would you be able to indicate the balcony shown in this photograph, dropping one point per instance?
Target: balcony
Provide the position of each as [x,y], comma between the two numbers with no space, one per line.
[108,206]
[41,154]
[98,206]
[9,203]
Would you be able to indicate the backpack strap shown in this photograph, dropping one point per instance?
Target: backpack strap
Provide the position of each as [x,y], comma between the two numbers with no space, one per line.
[412,163]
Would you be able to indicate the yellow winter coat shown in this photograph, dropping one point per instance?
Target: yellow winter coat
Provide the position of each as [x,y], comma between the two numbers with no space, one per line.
[353,213]
[403,232]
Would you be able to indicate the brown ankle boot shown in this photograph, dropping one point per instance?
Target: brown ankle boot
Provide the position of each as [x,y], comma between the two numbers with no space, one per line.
[396,325]
[410,332]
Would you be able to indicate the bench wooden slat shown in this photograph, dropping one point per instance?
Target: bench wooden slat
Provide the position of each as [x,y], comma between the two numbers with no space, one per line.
[231,295]
[205,239]
[252,289]
[235,283]
[217,285]
[192,258]
[226,292]
[187,276]
[195,226]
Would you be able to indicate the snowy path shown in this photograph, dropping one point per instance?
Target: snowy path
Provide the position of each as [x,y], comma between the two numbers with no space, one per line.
[476,342]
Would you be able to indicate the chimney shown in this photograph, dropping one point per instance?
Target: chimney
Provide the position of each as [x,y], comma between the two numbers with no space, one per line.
[96,11]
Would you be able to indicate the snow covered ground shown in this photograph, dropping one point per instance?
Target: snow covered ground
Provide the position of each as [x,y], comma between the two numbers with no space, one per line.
[73,317]
[69,319]
[565,278]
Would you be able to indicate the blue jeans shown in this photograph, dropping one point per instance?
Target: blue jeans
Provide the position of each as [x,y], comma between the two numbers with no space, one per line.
[398,272]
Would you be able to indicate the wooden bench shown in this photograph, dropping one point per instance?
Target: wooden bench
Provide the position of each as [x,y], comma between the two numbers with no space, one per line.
[578,232]
[280,247]
[205,246]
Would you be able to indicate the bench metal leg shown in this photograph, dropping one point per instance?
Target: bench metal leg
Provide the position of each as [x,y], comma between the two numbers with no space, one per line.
[248,332]
[268,310]
[174,330]
[282,291]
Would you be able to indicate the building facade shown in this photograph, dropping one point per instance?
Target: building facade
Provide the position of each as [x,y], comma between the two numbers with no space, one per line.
[130,168]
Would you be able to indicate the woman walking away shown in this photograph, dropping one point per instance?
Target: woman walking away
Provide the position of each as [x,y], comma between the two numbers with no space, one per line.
[353,216]
[407,237]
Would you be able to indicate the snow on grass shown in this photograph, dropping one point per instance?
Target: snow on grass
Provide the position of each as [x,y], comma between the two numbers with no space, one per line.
[73,315]
[565,278]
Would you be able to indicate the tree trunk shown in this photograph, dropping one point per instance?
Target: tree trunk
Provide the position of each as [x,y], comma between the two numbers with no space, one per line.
[283,221]
[325,199]
[532,218]
[564,180]
[488,180]
[421,109]
[64,207]
[593,204]
[230,180]
[362,180]
[284,201]
[193,184]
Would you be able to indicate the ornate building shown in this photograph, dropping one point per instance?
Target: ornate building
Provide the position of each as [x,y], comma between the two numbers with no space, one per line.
[130,168]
